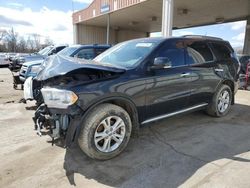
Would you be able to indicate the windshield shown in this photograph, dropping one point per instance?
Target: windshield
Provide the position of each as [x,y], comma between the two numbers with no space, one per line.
[68,51]
[126,54]
[45,51]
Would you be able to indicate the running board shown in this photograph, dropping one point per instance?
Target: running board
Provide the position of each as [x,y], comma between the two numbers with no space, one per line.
[174,113]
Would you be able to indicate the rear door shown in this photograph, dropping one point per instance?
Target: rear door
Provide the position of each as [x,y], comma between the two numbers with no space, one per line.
[202,64]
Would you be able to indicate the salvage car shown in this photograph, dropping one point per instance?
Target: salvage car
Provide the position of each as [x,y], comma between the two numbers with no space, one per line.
[30,69]
[100,103]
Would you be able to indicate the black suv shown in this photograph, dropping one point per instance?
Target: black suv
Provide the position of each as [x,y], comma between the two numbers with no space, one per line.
[99,103]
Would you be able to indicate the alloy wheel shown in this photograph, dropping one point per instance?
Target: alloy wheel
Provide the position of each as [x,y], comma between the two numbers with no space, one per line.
[223,101]
[109,134]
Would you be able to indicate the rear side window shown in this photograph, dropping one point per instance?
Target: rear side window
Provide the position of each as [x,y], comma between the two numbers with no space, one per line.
[174,52]
[198,52]
[221,51]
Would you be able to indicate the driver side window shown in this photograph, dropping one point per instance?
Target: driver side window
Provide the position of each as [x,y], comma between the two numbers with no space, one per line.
[174,53]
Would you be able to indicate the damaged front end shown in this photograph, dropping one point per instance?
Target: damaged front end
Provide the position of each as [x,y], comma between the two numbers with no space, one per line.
[57,88]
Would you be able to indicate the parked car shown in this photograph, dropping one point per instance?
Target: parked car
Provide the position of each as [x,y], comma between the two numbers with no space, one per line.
[30,64]
[18,60]
[244,60]
[244,71]
[30,69]
[5,58]
[11,56]
[100,103]
[3,61]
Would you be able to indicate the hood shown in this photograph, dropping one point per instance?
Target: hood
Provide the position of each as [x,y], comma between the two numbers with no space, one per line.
[33,57]
[25,55]
[32,63]
[61,65]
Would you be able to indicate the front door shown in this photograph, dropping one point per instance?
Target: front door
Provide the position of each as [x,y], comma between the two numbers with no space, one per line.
[168,89]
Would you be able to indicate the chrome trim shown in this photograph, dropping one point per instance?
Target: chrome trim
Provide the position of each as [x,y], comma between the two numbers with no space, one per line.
[174,113]
[185,74]
[219,70]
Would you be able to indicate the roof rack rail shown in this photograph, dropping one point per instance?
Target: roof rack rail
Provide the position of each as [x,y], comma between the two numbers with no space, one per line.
[202,36]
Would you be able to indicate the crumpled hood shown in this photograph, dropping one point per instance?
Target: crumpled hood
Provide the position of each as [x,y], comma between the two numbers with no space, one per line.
[60,65]
[32,57]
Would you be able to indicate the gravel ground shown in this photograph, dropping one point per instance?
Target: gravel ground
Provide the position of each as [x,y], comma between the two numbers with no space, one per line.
[192,150]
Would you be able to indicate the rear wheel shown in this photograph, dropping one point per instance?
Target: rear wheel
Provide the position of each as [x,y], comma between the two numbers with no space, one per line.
[221,102]
[105,132]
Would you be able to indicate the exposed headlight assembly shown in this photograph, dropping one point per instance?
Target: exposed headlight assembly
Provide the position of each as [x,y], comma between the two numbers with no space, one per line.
[58,98]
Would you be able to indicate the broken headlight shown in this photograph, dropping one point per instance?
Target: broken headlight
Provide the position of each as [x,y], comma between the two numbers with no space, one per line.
[58,98]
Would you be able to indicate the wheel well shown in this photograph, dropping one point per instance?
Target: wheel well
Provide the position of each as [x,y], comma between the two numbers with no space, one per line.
[231,85]
[131,110]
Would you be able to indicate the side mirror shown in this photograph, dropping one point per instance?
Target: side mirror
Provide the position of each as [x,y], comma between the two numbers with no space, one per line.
[161,63]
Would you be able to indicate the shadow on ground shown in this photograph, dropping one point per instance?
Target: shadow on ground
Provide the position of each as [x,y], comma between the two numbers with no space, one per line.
[168,153]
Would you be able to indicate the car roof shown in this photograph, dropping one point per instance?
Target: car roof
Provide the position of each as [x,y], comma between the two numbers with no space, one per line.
[90,46]
[161,39]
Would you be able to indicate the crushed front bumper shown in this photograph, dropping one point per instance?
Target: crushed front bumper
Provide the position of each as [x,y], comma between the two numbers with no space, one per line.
[61,123]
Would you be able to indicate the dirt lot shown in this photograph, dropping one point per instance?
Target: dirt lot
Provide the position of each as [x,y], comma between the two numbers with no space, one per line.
[192,150]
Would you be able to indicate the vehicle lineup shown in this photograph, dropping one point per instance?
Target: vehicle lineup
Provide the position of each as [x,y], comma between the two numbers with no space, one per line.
[99,103]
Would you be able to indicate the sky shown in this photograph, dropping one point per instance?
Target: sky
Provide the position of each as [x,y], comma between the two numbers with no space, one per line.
[48,18]
[53,18]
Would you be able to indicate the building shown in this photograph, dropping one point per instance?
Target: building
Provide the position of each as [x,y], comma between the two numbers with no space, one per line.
[113,21]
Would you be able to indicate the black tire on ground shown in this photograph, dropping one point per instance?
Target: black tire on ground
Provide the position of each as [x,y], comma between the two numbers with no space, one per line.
[93,120]
[213,108]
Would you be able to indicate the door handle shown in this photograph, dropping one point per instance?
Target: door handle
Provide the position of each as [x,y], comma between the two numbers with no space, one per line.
[185,74]
[218,70]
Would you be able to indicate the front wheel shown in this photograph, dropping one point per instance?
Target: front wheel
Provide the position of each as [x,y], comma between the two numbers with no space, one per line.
[221,102]
[105,132]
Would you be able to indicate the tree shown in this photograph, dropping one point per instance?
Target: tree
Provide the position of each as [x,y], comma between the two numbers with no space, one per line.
[11,39]
[48,41]
[30,45]
[22,45]
[2,34]
[2,43]
[36,41]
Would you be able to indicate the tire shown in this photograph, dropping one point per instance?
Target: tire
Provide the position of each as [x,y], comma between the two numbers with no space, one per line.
[93,125]
[214,109]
